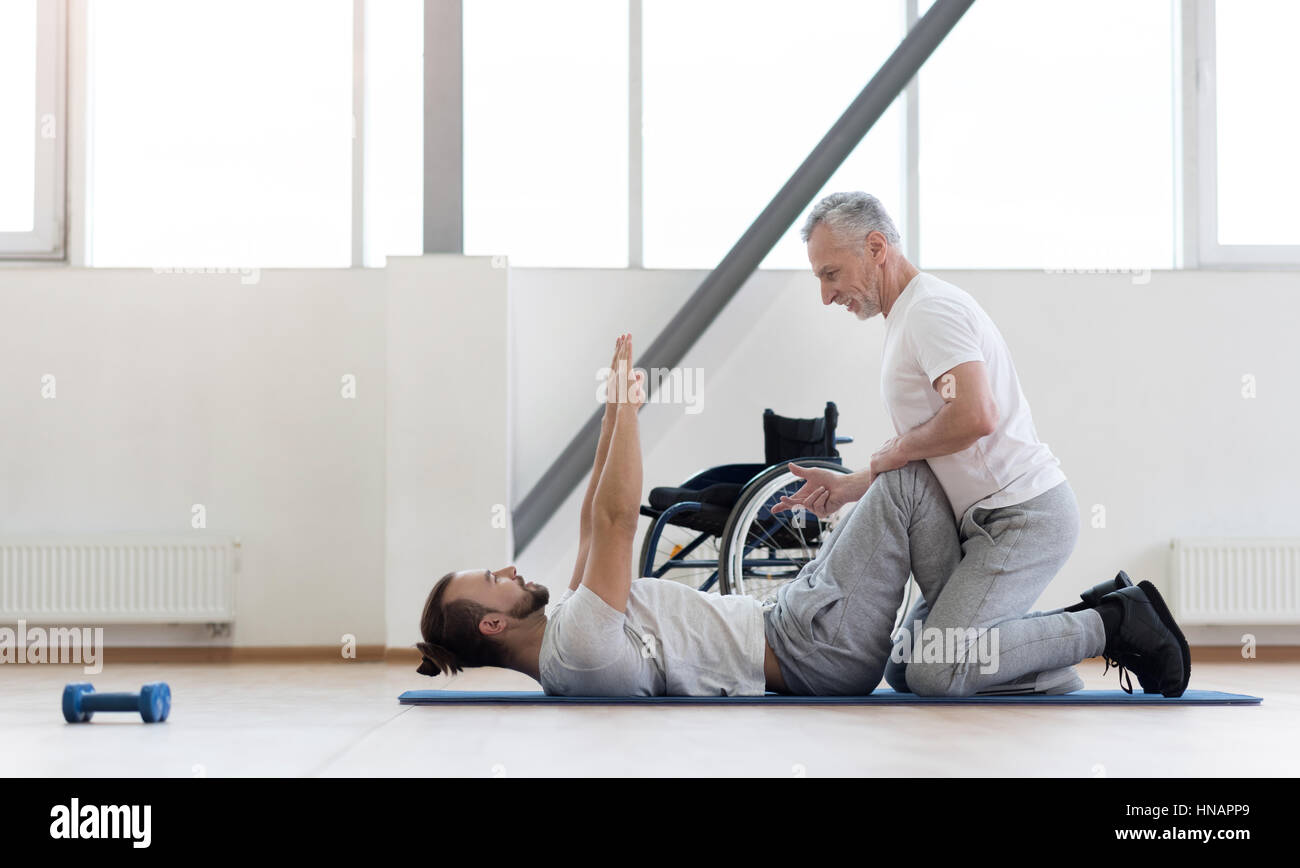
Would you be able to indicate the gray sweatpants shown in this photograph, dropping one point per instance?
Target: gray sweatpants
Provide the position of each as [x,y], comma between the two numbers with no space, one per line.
[831,627]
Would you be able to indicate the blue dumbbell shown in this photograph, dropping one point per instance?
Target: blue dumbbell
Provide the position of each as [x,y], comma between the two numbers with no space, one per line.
[80,702]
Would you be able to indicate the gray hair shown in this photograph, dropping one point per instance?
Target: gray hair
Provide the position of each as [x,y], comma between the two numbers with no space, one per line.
[851,217]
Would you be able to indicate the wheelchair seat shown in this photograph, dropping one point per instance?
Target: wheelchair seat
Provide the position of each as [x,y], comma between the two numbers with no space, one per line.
[784,439]
[715,503]
[705,503]
[720,494]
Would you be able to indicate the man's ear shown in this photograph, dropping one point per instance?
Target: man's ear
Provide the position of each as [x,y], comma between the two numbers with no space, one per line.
[492,624]
[876,246]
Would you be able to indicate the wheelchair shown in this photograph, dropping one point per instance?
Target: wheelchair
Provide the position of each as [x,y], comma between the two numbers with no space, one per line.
[716,531]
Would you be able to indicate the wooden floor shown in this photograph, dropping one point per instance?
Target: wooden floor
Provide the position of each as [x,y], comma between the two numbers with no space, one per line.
[343,719]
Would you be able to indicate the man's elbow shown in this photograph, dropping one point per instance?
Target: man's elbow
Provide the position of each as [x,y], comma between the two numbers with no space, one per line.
[610,516]
[984,421]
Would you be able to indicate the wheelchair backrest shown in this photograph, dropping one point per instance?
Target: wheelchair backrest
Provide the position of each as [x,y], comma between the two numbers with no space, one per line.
[786,439]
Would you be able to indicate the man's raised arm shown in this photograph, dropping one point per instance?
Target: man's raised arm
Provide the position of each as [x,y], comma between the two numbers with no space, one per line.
[598,464]
[617,497]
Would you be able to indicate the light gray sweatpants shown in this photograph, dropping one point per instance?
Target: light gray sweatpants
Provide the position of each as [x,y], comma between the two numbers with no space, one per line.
[831,627]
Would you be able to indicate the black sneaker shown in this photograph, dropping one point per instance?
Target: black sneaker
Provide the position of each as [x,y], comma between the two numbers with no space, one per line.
[1093,596]
[1147,642]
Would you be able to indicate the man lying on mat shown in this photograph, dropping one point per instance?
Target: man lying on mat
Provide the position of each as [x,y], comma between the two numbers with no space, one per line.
[828,633]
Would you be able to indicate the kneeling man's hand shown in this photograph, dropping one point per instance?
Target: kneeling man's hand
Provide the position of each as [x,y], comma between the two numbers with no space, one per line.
[888,457]
[823,492]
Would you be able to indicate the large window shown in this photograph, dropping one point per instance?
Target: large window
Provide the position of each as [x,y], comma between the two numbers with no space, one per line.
[222,133]
[31,128]
[736,95]
[546,131]
[394,129]
[1046,137]
[18,115]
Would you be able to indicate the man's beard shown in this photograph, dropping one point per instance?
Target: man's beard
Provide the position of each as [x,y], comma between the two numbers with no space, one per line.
[869,308]
[537,599]
[869,305]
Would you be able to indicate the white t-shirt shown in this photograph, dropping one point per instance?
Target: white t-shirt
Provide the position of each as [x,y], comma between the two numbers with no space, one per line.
[932,328]
[672,641]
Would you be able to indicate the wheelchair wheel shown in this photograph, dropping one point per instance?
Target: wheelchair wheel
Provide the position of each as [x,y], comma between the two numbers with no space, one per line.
[676,543]
[762,551]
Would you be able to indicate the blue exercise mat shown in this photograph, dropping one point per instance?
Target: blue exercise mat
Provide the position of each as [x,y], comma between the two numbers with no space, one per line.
[880,697]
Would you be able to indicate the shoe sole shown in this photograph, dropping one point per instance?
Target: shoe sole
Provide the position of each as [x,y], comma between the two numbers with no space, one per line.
[1166,618]
[1066,682]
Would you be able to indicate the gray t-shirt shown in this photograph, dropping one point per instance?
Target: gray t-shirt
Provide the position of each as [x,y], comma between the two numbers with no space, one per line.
[672,641]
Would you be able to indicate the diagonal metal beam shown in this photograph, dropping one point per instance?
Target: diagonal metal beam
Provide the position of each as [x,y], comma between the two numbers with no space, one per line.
[704,305]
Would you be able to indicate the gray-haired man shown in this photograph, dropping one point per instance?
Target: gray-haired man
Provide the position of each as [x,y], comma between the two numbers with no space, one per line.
[955,400]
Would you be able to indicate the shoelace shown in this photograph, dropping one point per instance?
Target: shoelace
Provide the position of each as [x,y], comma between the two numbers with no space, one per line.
[1125,678]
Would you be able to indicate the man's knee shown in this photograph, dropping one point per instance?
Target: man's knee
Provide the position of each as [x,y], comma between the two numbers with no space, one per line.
[906,472]
[935,679]
[906,482]
[899,481]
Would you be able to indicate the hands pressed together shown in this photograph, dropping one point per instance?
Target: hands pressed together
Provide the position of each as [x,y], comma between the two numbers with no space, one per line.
[624,387]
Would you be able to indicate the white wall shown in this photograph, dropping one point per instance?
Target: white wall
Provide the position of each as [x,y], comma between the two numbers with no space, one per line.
[180,389]
[177,389]
[1137,388]
[449,430]
[183,389]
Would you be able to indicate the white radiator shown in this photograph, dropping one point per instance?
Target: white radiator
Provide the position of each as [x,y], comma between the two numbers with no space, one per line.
[1236,581]
[127,579]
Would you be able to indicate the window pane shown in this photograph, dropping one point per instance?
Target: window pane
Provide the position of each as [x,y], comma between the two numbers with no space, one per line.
[17,115]
[222,133]
[1258,135]
[394,200]
[736,95]
[1046,137]
[546,131]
